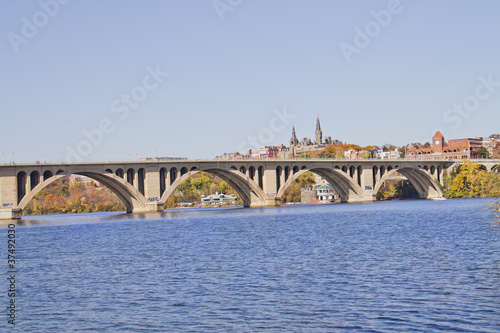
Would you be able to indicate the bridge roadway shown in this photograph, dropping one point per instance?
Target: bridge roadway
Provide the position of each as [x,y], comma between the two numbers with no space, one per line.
[145,186]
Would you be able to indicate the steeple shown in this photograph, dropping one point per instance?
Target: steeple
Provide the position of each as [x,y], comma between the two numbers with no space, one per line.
[319,133]
[293,140]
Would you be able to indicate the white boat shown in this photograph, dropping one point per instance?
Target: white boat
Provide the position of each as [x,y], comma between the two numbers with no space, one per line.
[439,198]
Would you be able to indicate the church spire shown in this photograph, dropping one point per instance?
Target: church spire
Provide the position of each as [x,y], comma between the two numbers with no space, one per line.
[293,140]
[319,133]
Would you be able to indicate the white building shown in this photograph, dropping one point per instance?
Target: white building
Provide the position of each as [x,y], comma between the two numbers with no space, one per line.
[388,155]
[218,199]
[326,192]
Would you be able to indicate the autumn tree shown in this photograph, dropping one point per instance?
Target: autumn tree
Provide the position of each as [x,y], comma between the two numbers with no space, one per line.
[470,180]
[293,193]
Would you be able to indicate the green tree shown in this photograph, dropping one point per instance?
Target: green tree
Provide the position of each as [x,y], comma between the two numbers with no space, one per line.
[483,153]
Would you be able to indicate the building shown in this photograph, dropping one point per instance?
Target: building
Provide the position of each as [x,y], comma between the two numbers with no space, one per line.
[230,156]
[321,192]
[352,154]
[83,180]
[387,155]
[495,152]
[269,152]
[218,199]
[457,149]
[326,192]
[492,145]
[306,145]
[308,195]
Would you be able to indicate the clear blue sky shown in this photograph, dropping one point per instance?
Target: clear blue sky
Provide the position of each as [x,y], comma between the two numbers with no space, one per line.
[227,76]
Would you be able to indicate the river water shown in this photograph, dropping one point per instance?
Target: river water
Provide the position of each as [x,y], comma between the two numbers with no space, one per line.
[400,266]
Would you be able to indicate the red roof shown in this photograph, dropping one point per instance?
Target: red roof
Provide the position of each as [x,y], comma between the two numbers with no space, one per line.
[438,135]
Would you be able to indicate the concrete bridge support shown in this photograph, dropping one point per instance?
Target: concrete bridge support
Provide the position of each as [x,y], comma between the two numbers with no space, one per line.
[8,196]
[368,181]
[152,190]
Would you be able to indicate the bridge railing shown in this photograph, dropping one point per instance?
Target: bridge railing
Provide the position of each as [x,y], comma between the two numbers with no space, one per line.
[494,161]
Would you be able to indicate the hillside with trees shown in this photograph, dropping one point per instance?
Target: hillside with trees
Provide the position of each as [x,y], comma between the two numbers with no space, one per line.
[62,196]
[293,193]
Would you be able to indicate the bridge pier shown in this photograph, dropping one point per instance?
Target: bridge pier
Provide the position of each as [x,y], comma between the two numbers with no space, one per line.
[366,198]
[9,188]
[368,184]
[10,214]
[273,201]
[154,207]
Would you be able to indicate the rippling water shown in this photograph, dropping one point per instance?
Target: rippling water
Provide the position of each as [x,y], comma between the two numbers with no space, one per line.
[397,266]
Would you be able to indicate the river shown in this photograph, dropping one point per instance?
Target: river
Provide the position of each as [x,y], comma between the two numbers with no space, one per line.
[400,266]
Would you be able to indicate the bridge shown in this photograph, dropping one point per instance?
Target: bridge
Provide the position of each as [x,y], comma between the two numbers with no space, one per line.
[145,186]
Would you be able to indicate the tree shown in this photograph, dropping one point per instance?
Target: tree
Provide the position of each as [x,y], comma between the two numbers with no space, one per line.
[496,209]
[63,197]
[293,193]
[388,147]
[483,153]
[469,180]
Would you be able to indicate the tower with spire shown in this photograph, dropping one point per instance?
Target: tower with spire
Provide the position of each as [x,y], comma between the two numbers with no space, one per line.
[306,145]
[319,133]
[294,141]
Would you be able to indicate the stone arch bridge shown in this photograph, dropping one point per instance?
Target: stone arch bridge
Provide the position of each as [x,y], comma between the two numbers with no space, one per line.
[145,186]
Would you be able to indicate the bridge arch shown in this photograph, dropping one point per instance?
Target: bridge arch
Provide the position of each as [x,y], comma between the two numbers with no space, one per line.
[34,179]
[279,170]
[173,175]
[131,176]
[420,178]
[126,192]
[251,173]
[287,172]
[247,189]
[120,173]
[260,177]
[47,174]
[22,181]
[346,187]
[141,180]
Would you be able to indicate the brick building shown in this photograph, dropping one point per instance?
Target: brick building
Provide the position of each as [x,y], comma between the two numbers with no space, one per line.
[456,149]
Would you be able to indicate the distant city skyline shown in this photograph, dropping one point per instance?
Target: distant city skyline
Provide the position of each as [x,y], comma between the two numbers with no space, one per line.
[122,80]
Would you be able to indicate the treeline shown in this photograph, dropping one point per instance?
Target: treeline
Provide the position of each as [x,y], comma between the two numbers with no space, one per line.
[61,197]
[194,187]
[469,180]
